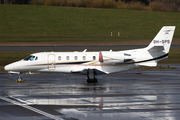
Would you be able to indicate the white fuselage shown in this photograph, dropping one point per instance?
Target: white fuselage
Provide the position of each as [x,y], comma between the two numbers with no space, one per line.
[78,62]
[67,62]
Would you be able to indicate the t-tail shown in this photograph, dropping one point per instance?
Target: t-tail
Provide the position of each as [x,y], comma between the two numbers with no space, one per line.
[159,48]
[163,39]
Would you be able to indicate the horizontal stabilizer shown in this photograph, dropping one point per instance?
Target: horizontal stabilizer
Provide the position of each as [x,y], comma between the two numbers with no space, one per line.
[156,49]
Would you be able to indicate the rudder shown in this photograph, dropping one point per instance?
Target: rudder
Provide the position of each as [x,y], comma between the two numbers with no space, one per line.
[162,41]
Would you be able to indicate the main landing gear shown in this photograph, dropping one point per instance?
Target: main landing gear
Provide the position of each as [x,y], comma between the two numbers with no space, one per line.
[91,76]
[19,79]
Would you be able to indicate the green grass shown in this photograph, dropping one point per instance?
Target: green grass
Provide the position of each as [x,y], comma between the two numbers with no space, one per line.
[48,23]
[9,57]
[173,57]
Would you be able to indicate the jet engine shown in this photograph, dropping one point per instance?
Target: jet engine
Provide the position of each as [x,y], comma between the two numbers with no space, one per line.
[114,57]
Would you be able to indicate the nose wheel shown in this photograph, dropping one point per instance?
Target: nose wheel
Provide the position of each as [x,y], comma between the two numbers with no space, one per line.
[19,79]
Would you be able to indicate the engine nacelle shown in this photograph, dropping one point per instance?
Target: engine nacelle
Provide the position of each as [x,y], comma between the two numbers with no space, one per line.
[113,57]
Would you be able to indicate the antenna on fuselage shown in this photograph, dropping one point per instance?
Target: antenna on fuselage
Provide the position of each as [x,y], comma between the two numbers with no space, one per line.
[55,47]
[85,50]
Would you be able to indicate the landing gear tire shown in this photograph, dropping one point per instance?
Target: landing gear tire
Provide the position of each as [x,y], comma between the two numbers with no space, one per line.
[91,76]
[92,80]
[19,79]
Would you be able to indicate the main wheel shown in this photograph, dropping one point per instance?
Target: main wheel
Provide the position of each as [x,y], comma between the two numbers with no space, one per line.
[92,80]
[91,76]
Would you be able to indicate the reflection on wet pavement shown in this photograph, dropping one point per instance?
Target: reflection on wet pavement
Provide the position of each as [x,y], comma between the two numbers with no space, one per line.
[136,94]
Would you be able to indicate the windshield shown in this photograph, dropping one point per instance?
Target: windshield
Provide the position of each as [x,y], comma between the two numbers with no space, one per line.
[30,58]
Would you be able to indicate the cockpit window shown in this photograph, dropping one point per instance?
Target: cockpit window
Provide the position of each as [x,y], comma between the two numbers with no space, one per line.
[27,58]
[31,58]
[36,58]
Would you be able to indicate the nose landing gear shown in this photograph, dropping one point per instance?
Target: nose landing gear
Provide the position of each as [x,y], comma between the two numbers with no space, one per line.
[19,79]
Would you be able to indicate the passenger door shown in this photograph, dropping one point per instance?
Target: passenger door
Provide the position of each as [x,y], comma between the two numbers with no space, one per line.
[51,62]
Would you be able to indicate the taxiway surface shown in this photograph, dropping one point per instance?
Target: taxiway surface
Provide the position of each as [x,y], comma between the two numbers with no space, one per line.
[132,95]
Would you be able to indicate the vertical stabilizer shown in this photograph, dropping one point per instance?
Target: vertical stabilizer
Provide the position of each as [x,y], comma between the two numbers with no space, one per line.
[162,40]
[159,47]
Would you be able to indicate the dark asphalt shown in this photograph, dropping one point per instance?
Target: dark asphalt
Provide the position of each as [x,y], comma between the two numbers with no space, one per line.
[131,95]
[74,48]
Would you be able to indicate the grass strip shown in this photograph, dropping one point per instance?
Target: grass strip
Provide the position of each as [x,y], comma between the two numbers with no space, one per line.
[30,23]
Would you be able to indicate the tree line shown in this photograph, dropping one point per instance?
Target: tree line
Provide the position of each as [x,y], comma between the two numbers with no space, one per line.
[148,5]
[146,2]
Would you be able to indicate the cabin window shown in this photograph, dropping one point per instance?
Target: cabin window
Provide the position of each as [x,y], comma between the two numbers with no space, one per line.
[84,57]
[75,57]
[67,58]
[125,54]
[94,57]
[59,58]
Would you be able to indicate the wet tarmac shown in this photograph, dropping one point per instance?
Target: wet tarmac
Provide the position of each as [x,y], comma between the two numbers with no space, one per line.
[131,95]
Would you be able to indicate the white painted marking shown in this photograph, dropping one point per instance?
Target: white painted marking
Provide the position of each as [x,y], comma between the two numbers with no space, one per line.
[31,108]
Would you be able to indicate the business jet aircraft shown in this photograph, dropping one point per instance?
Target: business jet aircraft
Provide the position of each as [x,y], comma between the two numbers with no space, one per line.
[95,63]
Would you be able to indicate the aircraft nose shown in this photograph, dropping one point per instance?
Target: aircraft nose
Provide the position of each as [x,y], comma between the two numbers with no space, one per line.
[8,67]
